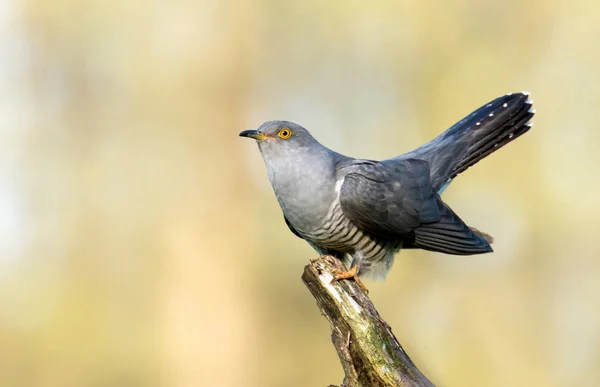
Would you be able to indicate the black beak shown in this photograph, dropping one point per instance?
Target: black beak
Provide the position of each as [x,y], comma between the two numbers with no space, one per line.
[255,134]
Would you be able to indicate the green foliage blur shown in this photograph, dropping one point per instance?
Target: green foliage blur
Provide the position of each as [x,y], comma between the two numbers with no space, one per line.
[140,242]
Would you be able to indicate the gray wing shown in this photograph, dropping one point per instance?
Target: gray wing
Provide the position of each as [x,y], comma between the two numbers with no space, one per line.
[395,200]
[389,199]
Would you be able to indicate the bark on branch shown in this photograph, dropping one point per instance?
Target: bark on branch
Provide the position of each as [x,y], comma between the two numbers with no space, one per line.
[370,354]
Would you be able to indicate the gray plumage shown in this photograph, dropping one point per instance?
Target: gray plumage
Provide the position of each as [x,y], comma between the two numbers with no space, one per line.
[364,211]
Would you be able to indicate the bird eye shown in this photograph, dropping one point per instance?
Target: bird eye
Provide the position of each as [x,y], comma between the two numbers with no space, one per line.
[285,133]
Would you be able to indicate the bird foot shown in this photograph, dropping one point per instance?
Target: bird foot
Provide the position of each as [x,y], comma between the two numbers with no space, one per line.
[352,273]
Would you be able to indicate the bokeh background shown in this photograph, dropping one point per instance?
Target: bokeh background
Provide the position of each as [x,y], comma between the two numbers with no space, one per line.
[140,242]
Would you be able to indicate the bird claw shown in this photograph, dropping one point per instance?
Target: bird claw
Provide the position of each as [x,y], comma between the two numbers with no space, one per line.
[352,273]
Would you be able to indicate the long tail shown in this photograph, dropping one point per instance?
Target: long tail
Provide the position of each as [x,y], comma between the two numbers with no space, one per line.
[476,136]
[506,119]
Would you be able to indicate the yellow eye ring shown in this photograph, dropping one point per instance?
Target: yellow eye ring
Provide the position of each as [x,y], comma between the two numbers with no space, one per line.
[285,133]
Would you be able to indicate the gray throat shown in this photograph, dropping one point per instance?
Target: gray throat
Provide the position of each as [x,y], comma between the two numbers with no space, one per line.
[304,184]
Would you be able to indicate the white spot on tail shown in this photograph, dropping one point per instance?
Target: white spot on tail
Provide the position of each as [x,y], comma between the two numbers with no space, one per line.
[532,110]
[511,135]
[477,124]
[491,114]
[530,124]
[489,104]
[495,145]
[529,101]
[525,92]
[505,105]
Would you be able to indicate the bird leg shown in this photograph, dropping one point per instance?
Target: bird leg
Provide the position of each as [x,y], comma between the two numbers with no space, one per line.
[352,273]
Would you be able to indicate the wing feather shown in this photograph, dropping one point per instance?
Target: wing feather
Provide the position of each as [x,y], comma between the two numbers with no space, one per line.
[395,200]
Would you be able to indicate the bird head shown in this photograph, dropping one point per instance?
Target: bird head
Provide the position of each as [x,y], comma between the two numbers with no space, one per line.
[278,138]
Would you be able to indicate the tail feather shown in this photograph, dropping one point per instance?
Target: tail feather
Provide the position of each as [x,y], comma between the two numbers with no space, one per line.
[495,133]
[474,137]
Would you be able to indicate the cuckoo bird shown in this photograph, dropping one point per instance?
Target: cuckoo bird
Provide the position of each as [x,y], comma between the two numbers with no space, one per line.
[364,211]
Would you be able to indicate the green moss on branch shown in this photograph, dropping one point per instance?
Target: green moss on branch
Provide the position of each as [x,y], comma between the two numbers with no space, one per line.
[370,354]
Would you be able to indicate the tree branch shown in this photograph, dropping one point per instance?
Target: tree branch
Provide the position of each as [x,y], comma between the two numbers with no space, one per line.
[370,354]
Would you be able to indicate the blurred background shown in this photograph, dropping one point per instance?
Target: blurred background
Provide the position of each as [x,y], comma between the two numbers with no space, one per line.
[140,241]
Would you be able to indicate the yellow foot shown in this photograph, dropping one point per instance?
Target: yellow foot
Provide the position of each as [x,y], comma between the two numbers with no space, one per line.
[352,273]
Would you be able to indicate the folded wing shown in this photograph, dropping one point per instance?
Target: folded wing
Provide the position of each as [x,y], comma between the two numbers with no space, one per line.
[395,200]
